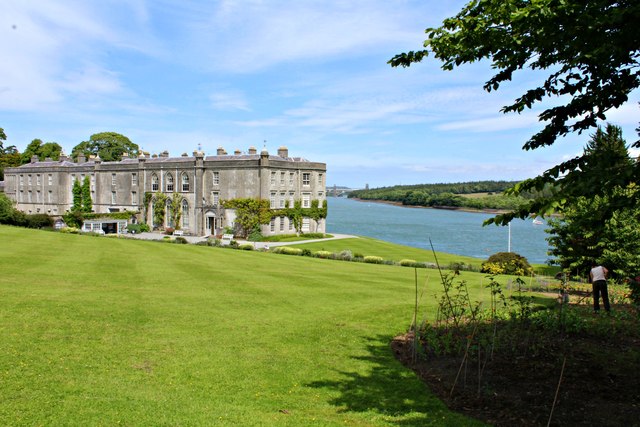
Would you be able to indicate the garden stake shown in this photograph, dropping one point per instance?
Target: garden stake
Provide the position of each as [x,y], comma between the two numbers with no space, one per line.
[564,360]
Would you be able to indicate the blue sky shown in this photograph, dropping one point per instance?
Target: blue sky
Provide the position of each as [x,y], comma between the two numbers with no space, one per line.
[310,75]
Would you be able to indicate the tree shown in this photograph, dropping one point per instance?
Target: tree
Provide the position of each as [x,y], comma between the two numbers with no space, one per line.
[9,156]
[175,210]
[597,228]
[87,203]
[110,146]
[41,151]
[589,49]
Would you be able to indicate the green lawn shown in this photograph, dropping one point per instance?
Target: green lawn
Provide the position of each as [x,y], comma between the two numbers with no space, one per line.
[101,331]
[368,246]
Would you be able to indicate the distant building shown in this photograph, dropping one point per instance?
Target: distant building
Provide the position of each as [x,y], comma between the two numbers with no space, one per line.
[202,182]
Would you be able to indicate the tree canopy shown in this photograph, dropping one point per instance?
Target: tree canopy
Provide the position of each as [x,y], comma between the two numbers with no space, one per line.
[110,146]
[41,150]
[589,51]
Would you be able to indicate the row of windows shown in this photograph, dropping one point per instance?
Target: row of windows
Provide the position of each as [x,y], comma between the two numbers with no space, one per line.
[306,178]
[280,202]
[281,222]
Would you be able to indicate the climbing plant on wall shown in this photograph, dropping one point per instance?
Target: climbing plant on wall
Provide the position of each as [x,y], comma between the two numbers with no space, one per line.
[159,208]
[175,210]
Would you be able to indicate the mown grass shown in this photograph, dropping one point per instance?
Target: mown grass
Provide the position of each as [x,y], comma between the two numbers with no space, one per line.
[368,246]
[99,331]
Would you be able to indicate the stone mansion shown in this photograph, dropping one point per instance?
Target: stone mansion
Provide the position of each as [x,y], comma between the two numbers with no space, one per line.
[202,182]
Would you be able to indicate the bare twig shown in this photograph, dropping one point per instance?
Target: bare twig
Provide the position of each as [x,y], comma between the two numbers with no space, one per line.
[564,361]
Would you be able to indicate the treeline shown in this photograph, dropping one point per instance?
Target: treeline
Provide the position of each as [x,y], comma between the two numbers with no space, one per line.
[447,195]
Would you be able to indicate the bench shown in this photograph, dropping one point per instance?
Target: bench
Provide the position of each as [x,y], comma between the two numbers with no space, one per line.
[178,233]
[227,238]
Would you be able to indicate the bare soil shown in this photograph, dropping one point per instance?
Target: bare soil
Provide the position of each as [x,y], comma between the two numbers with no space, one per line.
[580,379]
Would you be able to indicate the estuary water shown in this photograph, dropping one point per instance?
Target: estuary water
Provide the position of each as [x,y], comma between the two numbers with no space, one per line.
[454,232]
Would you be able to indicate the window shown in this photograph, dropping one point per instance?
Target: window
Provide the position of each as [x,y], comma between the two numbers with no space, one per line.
[320,176]
[320,195]
[134,179]
[306,200]
[291,199]
[272,200]
[38,179]
[113,197]
[216,178]
[273,178]
[306,179]
[215,198]
[305,225]
[21,179]
[290,225]
[185,213]
[50,179]
[93,182]
[282,175]
[282,200]
[281,223]
[29,196]
[134,198]
[291,178]
[272,225]
[28,179]
[170,185]
[168,215]
[21,199]
[49,196]
[38,196]
[185,182]
[155,186]
[113,179]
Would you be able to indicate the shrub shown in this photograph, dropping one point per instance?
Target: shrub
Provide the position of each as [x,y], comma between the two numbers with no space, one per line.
[39,221]
[322,254]
[407,262]
[346,255]
[373,259]
[144,228]
[181,240]
[507,263]
[70,230]
[306,252]
[169,231]
[246,247]
[133,228]
[358,255]
[286,250]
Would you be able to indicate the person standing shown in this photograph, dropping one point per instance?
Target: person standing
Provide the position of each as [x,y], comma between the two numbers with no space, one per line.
[598,277]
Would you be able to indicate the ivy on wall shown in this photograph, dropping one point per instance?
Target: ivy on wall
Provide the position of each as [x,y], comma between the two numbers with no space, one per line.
[251,213]
[159,208]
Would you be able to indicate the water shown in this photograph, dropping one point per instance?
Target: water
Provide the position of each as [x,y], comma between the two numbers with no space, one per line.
[453,232]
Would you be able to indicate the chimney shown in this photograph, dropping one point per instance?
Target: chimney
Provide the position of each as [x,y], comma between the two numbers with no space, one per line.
[125,155]
[165,153]
[252,150]
[237,152]
[283,152]
[220,151]
[81,158]
[34,159]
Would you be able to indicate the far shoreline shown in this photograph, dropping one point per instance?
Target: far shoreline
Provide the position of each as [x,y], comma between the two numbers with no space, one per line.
[446,208]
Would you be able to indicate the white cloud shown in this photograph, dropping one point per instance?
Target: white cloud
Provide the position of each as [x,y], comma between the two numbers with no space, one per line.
[229,101]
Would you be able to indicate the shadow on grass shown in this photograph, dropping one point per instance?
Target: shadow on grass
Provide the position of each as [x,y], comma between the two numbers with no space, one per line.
[390,390]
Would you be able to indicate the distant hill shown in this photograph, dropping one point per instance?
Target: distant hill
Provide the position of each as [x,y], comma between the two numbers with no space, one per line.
[472,195]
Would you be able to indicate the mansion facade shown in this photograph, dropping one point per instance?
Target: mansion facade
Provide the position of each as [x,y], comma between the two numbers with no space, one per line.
[201,181]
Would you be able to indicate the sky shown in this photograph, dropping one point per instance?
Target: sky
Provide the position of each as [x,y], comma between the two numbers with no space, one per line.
[311,75]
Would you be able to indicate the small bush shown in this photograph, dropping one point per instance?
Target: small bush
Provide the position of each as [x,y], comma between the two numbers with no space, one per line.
[407,262]
[322,254]
[370,259]
[306,252]
[345,255]
[70,230]
[169,231]
[246,247]
[358,255]
[286,250]
[181,240]
[507,263]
